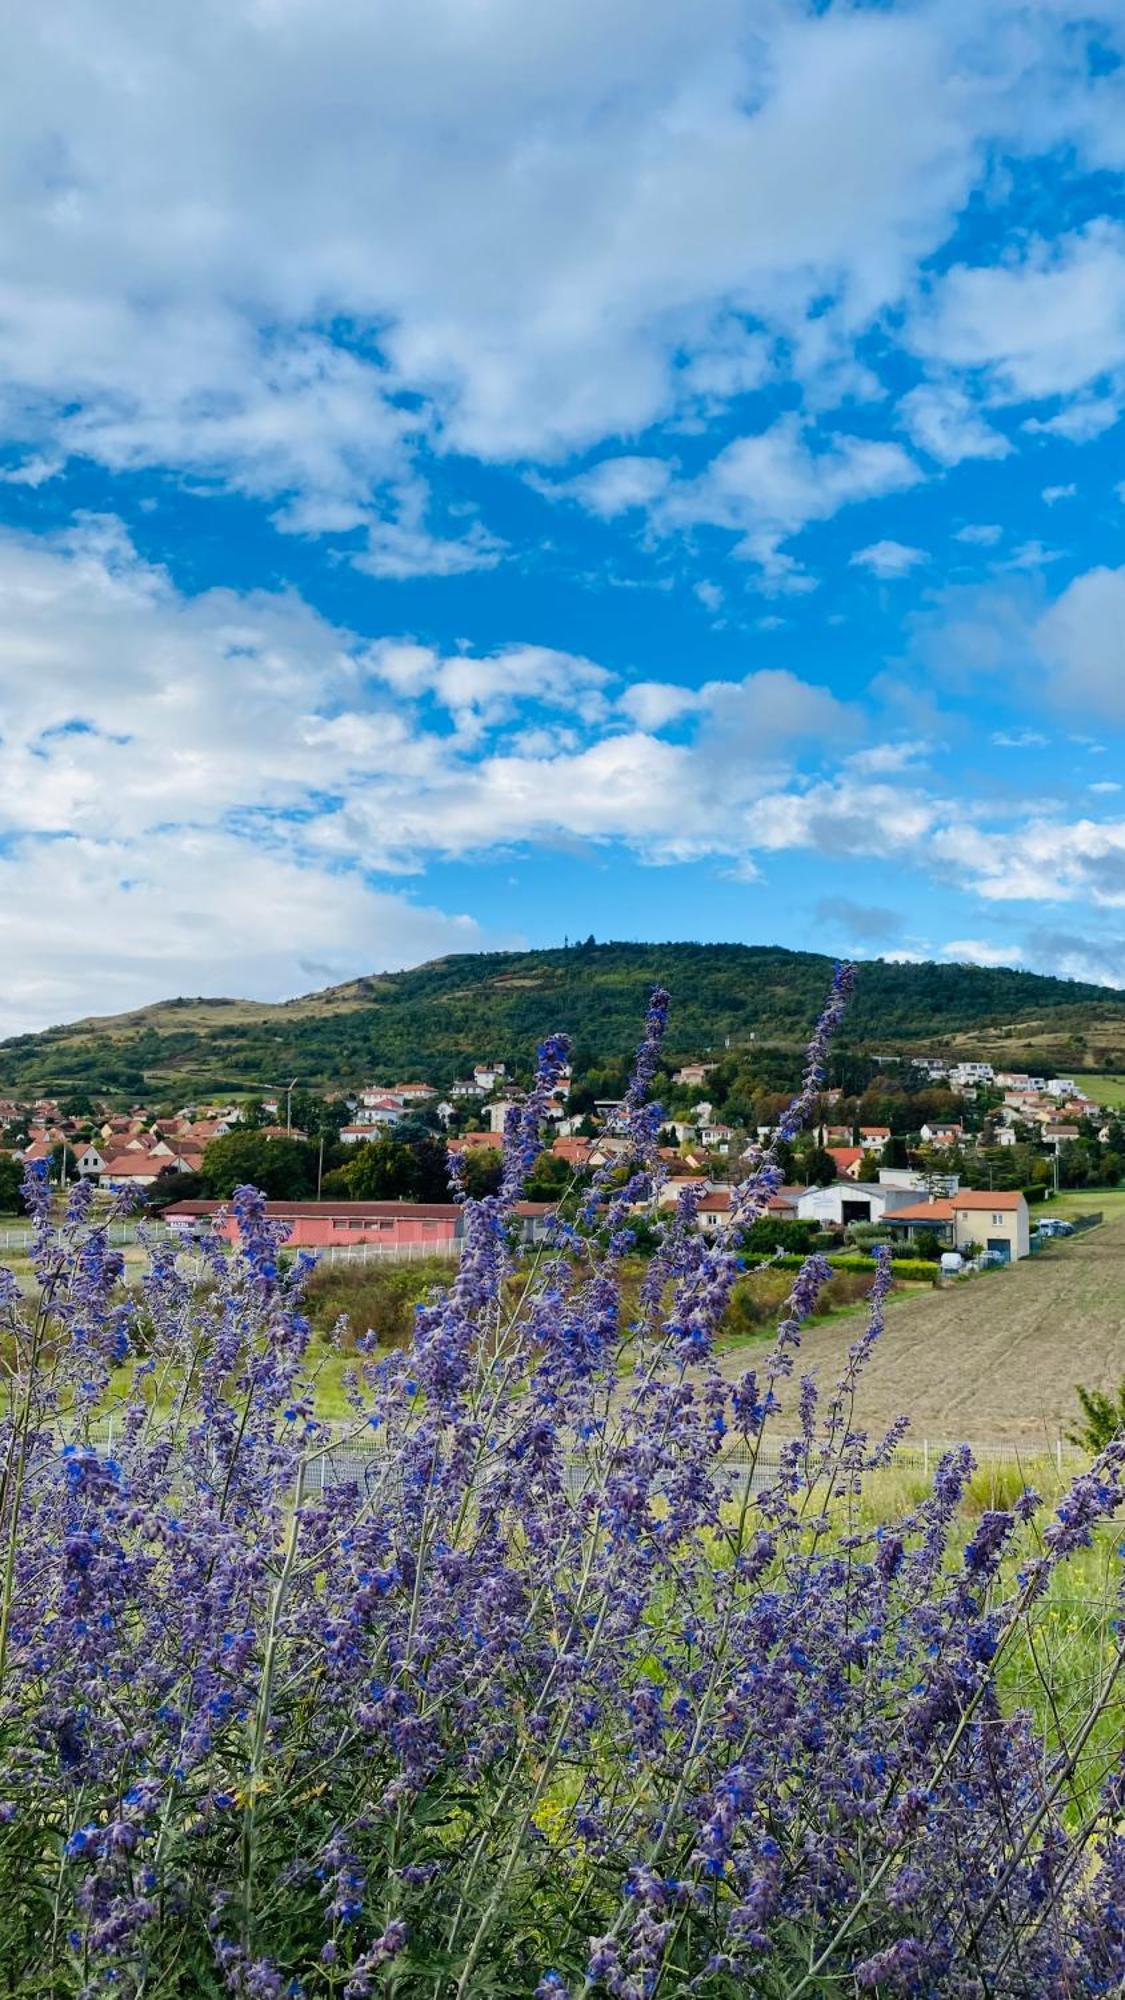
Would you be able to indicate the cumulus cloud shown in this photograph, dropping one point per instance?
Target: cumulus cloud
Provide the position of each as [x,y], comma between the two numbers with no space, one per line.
[96,926]
[888,559]
[766,488]
[1071,955]
[487,242]
[941,420]
[1050,325]
[1081,639]
[185,767]
[978,951]
[615,486]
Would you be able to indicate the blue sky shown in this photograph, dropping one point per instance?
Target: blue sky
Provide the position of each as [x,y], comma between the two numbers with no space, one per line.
[472,475]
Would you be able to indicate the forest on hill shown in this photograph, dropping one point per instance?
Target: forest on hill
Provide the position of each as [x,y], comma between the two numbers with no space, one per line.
[434,1019]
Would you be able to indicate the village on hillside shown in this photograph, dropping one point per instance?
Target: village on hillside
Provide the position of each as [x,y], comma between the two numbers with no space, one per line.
[939,1159]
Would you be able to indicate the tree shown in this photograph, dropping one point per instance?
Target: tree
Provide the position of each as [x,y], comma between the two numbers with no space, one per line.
[817,1167]
[320,1117]
[11,1180]
[284,1169]
[549,1178]
[483,1170]
[1104,1418]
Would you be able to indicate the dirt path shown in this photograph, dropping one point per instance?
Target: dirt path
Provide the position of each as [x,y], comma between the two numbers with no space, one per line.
[996,1358]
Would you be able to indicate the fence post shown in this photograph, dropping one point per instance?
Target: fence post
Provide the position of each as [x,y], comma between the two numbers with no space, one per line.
[926,1457]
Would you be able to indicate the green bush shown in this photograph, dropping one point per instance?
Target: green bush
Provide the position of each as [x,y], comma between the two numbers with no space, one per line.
[908,1267]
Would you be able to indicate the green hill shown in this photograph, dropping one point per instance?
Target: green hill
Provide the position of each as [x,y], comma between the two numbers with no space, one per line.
[433,1020]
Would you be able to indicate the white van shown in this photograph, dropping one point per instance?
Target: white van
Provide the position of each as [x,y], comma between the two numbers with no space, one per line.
[952,1263]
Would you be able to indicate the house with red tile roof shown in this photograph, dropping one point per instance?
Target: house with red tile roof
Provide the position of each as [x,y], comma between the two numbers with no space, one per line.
[996,1222]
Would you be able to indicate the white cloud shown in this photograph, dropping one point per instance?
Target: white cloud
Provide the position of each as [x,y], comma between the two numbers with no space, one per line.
[1018,739]
[882,758]
[93,926]
[979,534]
[1099,960]
[1043,860]
[512,233]
[977,951]
[1049,325]
[888,559]
[1081,421]
[1053,494]
[1081,639]
[767,487]
[214,778]
[614,487]
[941,420]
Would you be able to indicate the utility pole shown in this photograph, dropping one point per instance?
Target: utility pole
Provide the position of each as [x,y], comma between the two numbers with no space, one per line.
[320,1167]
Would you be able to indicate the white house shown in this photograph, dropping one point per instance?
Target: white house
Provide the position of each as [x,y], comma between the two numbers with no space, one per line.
[846,1202]
[376,1111]
[487,1075]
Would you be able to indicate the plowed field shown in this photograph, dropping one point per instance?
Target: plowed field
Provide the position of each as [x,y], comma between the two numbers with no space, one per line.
[994,1358]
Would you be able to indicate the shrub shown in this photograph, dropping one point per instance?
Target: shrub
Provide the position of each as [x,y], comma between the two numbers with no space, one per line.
[537,1681]
[1103,1418]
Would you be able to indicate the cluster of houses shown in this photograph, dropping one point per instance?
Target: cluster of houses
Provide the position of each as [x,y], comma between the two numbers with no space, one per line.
[137,1149]
[126,1150]
[959,1219]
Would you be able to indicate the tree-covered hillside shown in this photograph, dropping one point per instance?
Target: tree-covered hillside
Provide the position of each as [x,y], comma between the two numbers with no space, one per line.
[433,1020]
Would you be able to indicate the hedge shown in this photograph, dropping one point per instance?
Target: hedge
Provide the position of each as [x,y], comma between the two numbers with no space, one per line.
[904,1267]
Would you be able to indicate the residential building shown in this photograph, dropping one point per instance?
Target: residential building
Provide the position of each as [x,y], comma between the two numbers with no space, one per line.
[846,1202]
[693,1074]
[393,1225]
[715,1136]
[874,1138]
[488,1074]
[998,1223]
[498,1113]
[943,1135]
[378,1109]
[467,1086]
[714,1209]
[1060,1135]
[847,1160]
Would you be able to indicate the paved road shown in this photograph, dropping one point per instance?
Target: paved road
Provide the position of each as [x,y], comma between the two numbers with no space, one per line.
[994,1358]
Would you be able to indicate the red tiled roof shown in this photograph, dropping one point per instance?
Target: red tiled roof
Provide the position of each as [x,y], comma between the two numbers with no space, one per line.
[922,1211]
[981,1198]
[844,1156]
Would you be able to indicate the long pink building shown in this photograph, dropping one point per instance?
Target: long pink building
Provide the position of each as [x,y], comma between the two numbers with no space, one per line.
[323,1225]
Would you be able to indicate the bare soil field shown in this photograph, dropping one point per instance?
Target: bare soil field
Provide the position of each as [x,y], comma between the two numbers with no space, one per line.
[992,1359]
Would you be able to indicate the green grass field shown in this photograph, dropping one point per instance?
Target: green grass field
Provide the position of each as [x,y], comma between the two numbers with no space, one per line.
[1084,1201]
[1108,1090]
